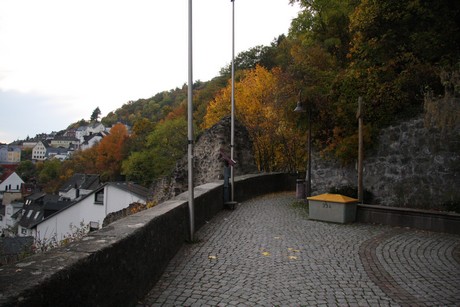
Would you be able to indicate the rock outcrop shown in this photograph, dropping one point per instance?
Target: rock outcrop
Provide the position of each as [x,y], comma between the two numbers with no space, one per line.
[208,166]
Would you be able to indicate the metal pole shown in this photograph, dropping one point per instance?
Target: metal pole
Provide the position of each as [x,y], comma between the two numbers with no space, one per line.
[232,139]
[190,124]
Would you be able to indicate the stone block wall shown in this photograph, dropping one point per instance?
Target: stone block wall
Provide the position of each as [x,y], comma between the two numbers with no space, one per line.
[413,166]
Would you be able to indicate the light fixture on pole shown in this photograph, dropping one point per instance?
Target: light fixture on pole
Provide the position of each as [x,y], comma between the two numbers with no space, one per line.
[300,109]
[232,132]
[190,124]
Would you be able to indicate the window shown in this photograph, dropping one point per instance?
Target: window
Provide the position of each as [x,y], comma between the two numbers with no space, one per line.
[93,226]
[24,231]
[30,213]
[99,197]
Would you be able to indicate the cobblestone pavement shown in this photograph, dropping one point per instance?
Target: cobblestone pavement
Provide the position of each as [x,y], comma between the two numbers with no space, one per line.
[267,253]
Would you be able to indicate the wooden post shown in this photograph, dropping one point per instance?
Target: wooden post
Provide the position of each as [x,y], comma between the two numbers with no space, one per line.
[359,116]
[308,182]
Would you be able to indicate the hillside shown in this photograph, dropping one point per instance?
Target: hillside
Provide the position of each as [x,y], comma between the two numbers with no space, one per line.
[392,54]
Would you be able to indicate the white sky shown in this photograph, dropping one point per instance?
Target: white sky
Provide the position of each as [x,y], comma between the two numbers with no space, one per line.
[60,59]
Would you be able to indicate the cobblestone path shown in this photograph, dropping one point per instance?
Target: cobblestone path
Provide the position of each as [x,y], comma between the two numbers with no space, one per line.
[267,253]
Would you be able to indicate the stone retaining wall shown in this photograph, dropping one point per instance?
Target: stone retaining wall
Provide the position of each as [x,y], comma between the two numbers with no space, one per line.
[413,167]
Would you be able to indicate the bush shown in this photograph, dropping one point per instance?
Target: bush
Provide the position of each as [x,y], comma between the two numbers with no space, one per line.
[352,191]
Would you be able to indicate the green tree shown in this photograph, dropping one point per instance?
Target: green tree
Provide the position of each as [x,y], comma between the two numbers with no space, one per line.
[48,176]
[325,23]
[26,154]
[95,115]
[26,170]
[140,167]
[168,144]
[165,145]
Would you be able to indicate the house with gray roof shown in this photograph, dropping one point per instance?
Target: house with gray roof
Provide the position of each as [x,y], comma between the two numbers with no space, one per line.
[37,207]
[43,151]
[87,211]
[64,141]
[79,185]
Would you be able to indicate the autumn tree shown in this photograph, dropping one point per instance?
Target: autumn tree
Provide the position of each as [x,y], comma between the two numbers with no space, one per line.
[83,161]
[260,109]
[110,152]
[141,129]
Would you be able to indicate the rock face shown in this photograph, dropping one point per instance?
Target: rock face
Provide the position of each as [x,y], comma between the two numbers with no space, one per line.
[208,166]
[413,166]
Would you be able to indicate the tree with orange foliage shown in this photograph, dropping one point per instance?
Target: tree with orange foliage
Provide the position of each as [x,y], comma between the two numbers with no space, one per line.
[111,152]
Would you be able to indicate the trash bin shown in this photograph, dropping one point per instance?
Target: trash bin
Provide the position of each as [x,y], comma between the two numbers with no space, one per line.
[332,208]
[227,184]
[300,189]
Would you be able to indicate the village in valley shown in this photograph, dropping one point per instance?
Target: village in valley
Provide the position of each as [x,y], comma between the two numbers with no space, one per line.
[32,220]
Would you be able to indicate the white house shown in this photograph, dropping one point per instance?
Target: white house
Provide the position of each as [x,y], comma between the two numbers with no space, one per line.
[11,183]
[90,210]
[84,131]
[95,128]
[39,152]
[9,216]
[80,133]
[91,140]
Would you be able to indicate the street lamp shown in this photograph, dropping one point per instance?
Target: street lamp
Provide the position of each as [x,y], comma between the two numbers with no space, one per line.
[232,128]
[190,125]
[300,109]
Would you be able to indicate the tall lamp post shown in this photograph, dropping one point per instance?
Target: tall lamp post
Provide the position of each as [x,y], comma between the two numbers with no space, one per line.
[232,132]
[301,109]
[190,124]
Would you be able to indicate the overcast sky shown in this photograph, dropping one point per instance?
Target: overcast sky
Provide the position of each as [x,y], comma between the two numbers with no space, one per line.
[60,59]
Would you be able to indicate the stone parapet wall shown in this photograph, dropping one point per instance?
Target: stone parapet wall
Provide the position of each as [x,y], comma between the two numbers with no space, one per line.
[119,264]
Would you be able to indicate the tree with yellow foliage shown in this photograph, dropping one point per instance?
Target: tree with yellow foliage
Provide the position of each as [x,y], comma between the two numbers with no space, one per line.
[262,113]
